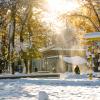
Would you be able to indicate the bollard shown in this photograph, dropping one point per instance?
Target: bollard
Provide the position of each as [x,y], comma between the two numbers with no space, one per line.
[43,95]
[90,76]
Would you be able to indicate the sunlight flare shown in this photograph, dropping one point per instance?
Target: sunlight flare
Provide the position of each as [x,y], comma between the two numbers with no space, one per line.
[61,6]
[54,9]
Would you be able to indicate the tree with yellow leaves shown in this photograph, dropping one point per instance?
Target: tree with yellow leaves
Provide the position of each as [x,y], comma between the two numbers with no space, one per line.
[87,17]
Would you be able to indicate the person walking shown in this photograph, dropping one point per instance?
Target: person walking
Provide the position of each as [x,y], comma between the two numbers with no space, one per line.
[77,70]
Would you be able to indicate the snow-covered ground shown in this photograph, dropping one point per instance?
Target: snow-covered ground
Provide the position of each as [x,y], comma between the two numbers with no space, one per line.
[57,89]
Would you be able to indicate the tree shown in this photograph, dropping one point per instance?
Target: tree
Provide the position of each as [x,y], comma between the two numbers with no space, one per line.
[11,35]
[17,21]
[87,17]
[31,32]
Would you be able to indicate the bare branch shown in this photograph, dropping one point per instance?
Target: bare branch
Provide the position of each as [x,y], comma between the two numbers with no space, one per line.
[83,16]
[90,2]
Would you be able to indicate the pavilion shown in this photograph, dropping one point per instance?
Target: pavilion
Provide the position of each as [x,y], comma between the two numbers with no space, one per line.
[59,59]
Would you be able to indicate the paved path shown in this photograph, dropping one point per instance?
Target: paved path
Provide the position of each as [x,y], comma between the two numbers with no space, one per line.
[33,75]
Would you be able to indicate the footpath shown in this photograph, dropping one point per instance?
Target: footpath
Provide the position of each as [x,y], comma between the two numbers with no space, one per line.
[33,75]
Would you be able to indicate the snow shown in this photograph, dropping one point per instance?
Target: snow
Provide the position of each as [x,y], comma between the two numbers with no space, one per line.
[68,49]
[46,48]
[52,47]
[69,75]
[75,60]
[55,89]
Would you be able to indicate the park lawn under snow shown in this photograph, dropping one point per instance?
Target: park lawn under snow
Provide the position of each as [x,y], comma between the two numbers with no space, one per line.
[57,89]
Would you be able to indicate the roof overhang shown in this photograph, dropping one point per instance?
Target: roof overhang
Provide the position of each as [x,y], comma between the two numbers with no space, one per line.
[92,36]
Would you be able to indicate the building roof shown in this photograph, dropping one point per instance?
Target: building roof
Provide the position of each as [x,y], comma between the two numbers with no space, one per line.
[92,35]
[54,48]
[53,51]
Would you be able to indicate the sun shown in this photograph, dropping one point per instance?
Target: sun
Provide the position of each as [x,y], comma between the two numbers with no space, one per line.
[60,6]
[56,8]
[71,5]
[54,5]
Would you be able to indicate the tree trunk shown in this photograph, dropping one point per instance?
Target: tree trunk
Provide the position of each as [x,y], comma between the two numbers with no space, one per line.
[11,32]
[30,66]
[26,66]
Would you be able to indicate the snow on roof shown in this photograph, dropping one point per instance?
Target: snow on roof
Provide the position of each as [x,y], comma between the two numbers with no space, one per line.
[77,60]
[46,48]
[59,48]
[92,35]
[71,49]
